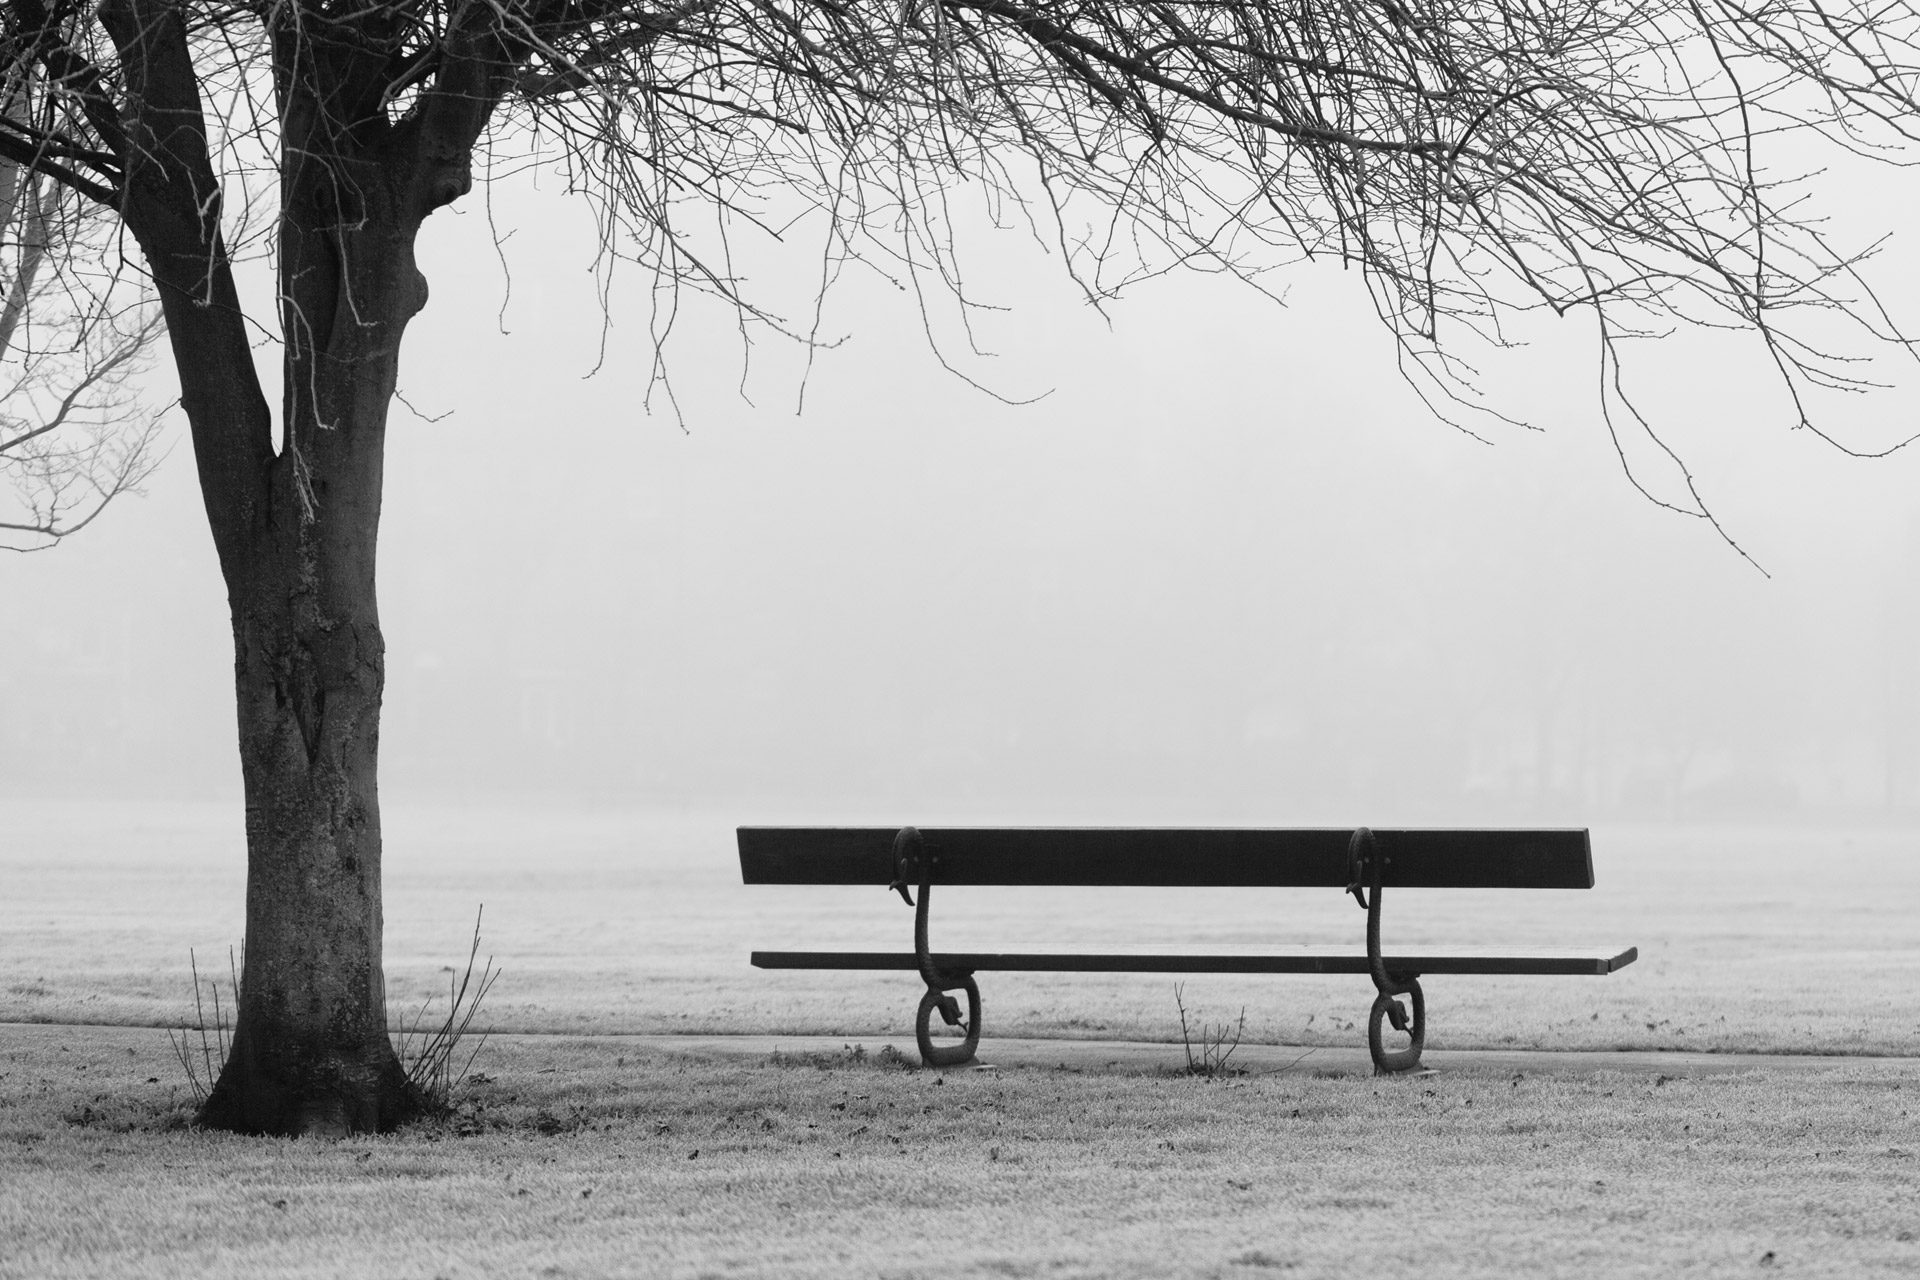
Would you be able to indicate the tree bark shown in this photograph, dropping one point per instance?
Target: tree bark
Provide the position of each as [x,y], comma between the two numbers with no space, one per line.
[310,1051]
[297,528]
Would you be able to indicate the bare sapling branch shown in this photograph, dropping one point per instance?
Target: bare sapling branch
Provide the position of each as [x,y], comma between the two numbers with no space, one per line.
[1209,1047]
[76,331]
[202,1068]
[438,1057]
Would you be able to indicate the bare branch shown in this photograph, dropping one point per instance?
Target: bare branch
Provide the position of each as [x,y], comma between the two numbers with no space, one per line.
[1474,159]
[73,436]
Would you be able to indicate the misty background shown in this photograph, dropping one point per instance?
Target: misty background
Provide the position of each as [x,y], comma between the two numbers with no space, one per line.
[1229,568]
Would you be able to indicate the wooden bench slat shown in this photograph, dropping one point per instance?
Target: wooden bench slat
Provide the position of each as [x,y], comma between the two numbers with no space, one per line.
[1595,961]
[1165,856]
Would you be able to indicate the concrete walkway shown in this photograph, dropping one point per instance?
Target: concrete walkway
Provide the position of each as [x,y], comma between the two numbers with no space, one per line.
[1138,1056]
[1148,1057]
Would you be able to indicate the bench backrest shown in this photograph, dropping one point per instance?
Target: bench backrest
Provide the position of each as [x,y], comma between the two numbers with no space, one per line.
[1220,856]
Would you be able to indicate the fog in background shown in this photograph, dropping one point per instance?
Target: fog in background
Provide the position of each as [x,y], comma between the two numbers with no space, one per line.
[1228,569]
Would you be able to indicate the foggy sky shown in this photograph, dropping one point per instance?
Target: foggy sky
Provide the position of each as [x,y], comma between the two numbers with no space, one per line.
[1229,568]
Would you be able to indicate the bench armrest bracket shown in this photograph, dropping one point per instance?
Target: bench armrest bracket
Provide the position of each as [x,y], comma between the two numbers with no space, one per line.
[912,861]
[1367,862]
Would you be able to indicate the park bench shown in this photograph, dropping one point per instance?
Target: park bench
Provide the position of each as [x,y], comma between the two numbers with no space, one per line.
[1361,862]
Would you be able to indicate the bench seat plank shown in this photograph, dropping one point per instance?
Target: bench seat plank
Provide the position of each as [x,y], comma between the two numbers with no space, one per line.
[1221,857]
[1477,960]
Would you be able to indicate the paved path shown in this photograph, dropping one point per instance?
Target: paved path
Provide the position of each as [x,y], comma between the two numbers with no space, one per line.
[1144,1056]
[1130,1055]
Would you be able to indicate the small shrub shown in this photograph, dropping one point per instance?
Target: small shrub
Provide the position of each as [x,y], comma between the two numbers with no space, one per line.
[429,1053]
[1216,1043]
[202,1061]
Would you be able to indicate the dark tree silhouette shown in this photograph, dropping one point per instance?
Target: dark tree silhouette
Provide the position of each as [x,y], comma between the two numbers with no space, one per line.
[1469,156]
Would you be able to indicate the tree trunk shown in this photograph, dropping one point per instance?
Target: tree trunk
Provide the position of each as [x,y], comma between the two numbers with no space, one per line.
[296,528]
[310,1050]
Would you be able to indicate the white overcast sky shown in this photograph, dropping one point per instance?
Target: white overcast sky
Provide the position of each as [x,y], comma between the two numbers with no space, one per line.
[1228,569]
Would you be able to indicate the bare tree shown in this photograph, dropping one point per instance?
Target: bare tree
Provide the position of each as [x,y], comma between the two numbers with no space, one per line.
[1470,157]
[73,329]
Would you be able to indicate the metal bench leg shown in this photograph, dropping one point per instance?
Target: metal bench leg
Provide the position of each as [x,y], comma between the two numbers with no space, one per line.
[1367,863]
[948,1055]
[911,863]
[1384,1005]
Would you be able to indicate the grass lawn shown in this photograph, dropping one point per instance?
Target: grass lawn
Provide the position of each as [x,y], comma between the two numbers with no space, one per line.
[1785,939]
[580,1158]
